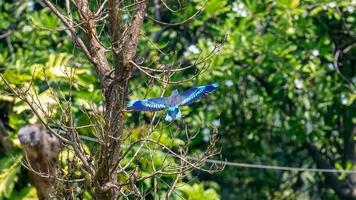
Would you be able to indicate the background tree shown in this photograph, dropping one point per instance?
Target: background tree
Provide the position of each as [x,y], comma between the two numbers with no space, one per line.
[287,92]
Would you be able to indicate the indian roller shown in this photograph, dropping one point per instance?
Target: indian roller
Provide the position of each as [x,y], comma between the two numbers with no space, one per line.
[172,102]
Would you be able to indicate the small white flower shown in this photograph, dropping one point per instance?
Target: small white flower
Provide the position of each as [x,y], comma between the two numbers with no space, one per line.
[206,138]
[243,13]
[229,83]
[240,9]
[309,127]
[206,134]
[206,131]
[216,122]
[26,28]
[315,52]
[299,83]
[331,67]
[332,4]
[30,5]
[125,16]
[210,108]
[236,7]
[277,119]
[290,30]
[193,49]
[350,9]
[344,99]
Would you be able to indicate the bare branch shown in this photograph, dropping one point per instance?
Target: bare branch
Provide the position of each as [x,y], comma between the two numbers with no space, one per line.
[135,26]
[340,187]
[23,98]
[94,51]
[336,65]
[182,22]
[100,9]
[167,81]
[69,25]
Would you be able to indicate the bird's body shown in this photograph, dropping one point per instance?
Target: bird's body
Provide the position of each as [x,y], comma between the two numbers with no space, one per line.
[172,102]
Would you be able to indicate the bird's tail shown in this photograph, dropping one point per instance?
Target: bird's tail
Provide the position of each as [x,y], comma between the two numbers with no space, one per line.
[173,114]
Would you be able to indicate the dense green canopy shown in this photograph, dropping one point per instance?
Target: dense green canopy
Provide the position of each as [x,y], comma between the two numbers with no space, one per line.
[287,91]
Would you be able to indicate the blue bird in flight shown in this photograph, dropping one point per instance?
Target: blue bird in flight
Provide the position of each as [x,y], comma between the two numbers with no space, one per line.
[172,102]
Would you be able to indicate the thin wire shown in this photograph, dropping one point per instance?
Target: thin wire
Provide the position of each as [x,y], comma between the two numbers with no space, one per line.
[274,167]
[256,166]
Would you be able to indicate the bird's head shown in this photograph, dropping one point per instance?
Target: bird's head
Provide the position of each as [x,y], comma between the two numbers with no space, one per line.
[174,92]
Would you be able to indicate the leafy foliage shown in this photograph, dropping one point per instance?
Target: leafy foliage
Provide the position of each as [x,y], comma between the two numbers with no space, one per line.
[280,88]
[9,169]
[197,192]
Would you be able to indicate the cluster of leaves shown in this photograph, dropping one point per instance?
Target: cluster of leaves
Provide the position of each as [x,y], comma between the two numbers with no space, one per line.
[281,86]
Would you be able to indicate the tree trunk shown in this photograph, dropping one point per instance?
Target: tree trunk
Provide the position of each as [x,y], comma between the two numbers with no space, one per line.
[109,154]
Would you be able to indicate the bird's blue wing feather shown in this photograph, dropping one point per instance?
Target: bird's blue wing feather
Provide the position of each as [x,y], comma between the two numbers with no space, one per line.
[193,94]
[149,105]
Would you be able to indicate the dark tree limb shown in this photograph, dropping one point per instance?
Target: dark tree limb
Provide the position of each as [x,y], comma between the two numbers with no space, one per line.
[350,154]
[4,138]
[341,188]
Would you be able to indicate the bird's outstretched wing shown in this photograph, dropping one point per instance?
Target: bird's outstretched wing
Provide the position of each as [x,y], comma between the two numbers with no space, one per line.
[193,94]
[149,105]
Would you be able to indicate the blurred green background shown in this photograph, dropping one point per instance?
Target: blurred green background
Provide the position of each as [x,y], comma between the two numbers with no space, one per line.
[287,87]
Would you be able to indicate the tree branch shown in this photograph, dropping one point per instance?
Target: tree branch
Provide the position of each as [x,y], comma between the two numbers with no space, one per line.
[134,32]
[68,24]
[94,51]
[340,187]
[97,51]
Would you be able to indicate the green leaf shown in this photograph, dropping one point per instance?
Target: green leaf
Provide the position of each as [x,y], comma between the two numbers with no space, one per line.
[8,176]
[197,192]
